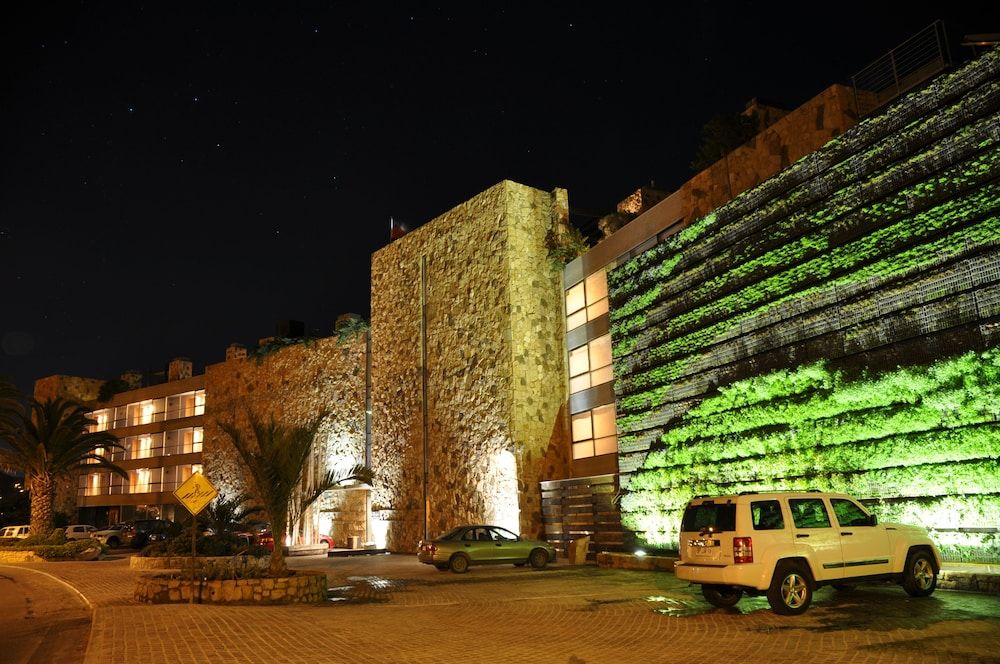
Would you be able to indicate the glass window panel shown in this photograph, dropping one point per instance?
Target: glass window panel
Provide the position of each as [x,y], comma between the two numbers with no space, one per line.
[199,402]
[121,416]
[604,421]
[607,445]
[578,363]
[575,298]
[597,309]
[597,287]
[601,376]
[581,427]
[574,321]
[173,406]
[583,450]
[579,383]
[600,352]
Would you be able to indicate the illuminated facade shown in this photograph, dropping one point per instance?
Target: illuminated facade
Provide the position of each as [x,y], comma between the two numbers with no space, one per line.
[161,429]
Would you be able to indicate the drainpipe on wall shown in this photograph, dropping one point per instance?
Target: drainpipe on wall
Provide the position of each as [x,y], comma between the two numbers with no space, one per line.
[423,386]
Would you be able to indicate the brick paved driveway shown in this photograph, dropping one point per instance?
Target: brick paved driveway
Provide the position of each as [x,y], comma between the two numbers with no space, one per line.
[393,609]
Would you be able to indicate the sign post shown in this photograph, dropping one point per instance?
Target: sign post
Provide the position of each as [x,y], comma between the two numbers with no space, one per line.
[195,494]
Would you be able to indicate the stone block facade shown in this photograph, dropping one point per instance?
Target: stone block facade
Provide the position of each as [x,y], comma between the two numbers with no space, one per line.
[296,384]
[470,299]
[793,136]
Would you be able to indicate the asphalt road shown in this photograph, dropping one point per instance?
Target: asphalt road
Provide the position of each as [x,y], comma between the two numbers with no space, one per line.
[41,620]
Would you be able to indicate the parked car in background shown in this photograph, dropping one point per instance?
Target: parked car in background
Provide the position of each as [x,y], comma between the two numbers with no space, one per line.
[15,532]
[114,536]
[328,540]
[153,530]
[257,534]
[479,544]
[79,531]
[786,544]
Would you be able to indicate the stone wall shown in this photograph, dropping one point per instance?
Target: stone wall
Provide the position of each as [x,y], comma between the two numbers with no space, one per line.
[304,587]
[800,132]
[295,385]
[495,377]
[74,388]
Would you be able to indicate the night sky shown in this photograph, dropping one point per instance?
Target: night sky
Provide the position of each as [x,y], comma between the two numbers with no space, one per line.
[175,177]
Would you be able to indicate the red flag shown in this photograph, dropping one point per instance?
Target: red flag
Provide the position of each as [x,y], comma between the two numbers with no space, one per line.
[397,229]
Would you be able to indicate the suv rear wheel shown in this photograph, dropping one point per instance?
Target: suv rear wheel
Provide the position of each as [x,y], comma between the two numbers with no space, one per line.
[721,596]
[791,589]
[919,575]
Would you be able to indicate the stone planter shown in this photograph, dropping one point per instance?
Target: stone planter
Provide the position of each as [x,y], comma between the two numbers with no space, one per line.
[304,587]
[19,557]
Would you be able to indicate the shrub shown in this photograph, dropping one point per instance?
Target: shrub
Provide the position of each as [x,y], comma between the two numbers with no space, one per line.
[67,551]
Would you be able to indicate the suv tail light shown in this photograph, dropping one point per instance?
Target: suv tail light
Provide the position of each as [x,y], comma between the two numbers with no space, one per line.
[743,549]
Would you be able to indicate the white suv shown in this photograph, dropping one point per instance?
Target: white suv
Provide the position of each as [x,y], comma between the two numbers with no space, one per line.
[786,544]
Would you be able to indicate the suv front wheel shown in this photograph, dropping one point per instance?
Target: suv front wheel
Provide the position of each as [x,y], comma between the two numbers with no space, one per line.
[721,596]
[919,575]
[791,589]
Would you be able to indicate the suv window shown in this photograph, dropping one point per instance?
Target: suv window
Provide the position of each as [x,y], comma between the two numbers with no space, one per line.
[849,513]
[720,518]
[809,513]
[766,515]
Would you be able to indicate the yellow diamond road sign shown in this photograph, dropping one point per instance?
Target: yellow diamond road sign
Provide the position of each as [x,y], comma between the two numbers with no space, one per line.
[196,493]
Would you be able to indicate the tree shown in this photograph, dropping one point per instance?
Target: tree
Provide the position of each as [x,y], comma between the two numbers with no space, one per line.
[720,135]
[227,515]
[275,456]
[10,406]
[49,441]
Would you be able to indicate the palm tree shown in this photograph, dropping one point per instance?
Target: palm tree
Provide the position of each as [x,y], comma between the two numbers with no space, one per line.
[226,516]
[49,441]
[10,406]
[276,455]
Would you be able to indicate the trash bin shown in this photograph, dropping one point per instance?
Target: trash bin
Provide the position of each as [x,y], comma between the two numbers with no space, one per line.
[578,550]
[353,542]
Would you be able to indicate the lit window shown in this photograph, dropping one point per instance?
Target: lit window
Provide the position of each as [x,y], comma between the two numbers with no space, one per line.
[590,365]
[139,480]
[587,300]
[199,402]
[103,419]
[594,432]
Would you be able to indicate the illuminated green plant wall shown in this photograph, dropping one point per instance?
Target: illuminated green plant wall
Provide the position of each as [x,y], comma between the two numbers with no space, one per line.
[835,327]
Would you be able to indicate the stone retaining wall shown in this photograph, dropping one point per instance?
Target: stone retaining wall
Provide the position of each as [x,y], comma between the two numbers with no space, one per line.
[303,588]
[19,557]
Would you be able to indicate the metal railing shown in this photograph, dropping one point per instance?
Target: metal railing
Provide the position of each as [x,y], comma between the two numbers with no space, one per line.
[908,65]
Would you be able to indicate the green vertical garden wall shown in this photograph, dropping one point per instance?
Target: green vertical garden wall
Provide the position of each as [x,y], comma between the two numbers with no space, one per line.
[836,327]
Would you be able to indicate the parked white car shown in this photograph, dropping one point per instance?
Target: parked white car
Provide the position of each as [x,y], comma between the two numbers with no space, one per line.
[79,531]
[19,532]
[787,544]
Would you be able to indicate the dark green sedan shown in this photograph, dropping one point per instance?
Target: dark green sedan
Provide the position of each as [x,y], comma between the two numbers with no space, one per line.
[483,545]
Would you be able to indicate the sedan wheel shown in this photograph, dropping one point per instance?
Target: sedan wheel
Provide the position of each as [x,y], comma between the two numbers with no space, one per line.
[539,558]
[459,563]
